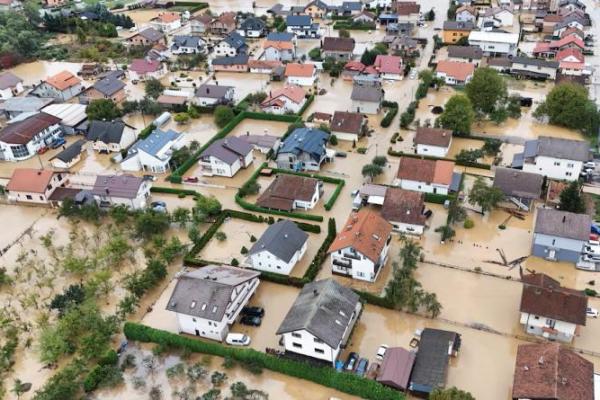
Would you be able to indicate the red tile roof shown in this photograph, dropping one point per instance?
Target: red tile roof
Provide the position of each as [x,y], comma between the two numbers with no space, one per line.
[303,70]
[567,40]
[63,80]
[405,206]
[407,7]
[423,170]
[388,64]
[141,65]
[21,132]
[29,180]
[292,92]
[570,52]
[282,192]
[338,44]
[458,70]
[433,137]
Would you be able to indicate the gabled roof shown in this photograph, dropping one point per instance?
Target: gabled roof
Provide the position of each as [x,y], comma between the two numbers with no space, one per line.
[285,189]
[9,80]
[206,292]
[536,62]
[347,122]
[63,80]
[280,37]
[514,182]
[567,149]
[367,93]
[317,3]
[303,70]
[567,40]
[323,308]
[307,140]
[71,152]
[21,132]
[338,44]
[168,17]
[570,52]
[30,180]
[25,104]
[282,239]
[155,142]
[293,92]
[123,186]
[228,150]
[279,45]
[240,59]
[253,24]
[142,66]
[108,86]
[187,41]
[150,34]
[458,26]
[471,52]
[235,40]
[424,170]
[551,371]
[407,7]
[298,20]
[460,71]
[396,367]
[433,137]
[212,91]
[431,363]
[404,206]
[388,64]
[563,224]
[106,131]
[366,232]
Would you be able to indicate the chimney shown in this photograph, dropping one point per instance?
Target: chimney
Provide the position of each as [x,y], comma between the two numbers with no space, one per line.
[541,360]
[564,218]
[315,292]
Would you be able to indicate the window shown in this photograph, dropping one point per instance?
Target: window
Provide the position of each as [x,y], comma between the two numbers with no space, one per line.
[320,351]
[297,345]
[557,163]
[28,197]
[296,335]
[550,322]
[568,173]
[570,165]
[317,340]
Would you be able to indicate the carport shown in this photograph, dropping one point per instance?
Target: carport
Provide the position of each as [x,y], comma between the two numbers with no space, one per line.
[396,368]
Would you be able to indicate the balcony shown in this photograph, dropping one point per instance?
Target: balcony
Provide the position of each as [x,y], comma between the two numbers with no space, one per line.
[351,255]
[347,264]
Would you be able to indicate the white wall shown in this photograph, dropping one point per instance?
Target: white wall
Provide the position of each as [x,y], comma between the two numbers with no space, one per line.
[303,342]
[428,150]
[534,325]
[218,167]
[410,229]
[224,49]
[265,261]
[301,81]
[555,168]
[421,186]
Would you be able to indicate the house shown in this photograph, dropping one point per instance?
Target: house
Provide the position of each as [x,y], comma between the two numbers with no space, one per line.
[370,194]
[106,88]
[159,52]
[61,86]
[316,9]
[147,37]
[270,68]
[379,4]
[337,48]
[69,156]
[466,14]
[404,44]
[121,190]
[208,95]
[303,150]
[520,188]
[208,300]
[407,11]
[186,44]
[396,367]
[279,248]
[142,69]
[534,68]
[433,141]
[495,43]
[291,192]
[26,134]
[387,19]
[301,74]
[551,371]
[551,311]
[404,209]
[560,235]
[237,63]
[424,175]
[302,26]
[321,118]
[153,154]
[200,24]
[285,100]
[497,17]
[430,370]
[454,72]
[110,136]
[348,9]
[166,22]
[319,322]
[360,249]
[10,85]
[348,125]
[176,100]
[454,31]
[367,99]
[225,157]
[263,143]
[252,27]
[14,106]
[223,25]
[279,46]
[471,54]
[500,64]
[389,67]
[555,158]
[364,17]
[72,116]
[232,45]
[34,186]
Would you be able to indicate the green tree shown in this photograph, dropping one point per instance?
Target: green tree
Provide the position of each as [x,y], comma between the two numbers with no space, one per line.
[149,223]
[181,118]
[153,88]
[371,170]
[315,54]
[223,114]
[513,107]
[207,206]
[568,105]
[571,199]
[343,33]
[181,216]
[487,90]
[485,196]
[102,110]
[380,160]
[469,156]
[450,394]
[458,115]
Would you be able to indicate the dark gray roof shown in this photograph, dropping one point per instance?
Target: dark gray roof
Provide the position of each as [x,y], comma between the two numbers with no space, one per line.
[228,150]
[514,182]
[567,149]
[151,34]
[298,20]
[563,224]
[282,239]
[9,80]
[106,131]
[25,104]
[308,140]
[367,93]
[499,62]
[537,62]
[323,308]
[186,41]
[206,292]
[431,363]
[68,154]
[212,91]
[252,24]
[109,86]
[239,59]
[472,52]
[123,186]
[280,37]
[351,6]
[235,40]
[459,26]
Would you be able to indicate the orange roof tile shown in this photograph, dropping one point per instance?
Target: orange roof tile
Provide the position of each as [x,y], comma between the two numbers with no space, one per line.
[63,80]
[29,180]
[305,70]
[279,45]
[424,170]
[456,69]
[292,92]
[168,17]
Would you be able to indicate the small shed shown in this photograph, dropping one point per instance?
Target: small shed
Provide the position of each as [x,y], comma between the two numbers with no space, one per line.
[396,368]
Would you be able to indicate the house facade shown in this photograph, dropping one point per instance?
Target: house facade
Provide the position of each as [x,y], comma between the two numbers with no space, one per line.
[232,45]
[23,137]
[185,44]
[348,126]
[153,154]
[367,99]
[534,68]
[424,175]
[301,74]
[125,190]
[10,85]
[34,186]
[455,72]
[433,141]
[404,210]
[456,30]
[110,136]
[291,192]
[142,69]
[285,100]
[495,43]
[208,95]
[302,26]
[61,86]
[337,48]
[225,157]
[303,150]
[560,235]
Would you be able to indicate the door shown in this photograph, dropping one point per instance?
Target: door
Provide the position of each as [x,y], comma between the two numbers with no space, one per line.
[197,332]
[552,254]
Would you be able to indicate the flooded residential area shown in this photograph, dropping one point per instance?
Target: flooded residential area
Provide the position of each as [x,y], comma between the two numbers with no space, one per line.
[377,200]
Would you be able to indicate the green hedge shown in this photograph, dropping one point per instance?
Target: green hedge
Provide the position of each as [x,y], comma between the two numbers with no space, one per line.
[317,262]
[394,153]
[436,198]
[334,196]
[354,27]
[144,133]
[345,382]
[160,189]
[309,101]
[390,114]
[282,279]
[193,6]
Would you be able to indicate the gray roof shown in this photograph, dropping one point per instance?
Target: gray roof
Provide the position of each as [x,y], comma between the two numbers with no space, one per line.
[563,224]
[514,182]
[537,62]
[235,40]
[228,150]
[280,37]
[268,141]
[567,149]
[186,41]
[155,142]
[109,86]
[151,34]
[351,6]
[206,292]
[298,20]
[459,26]
[9,80]
[431,363]
[70,152]
[472,52]
[308,140]
[106,131]
[367,93]
[323,308]
[239,59]
[252,24]
[124,186]
[212,91]
[282,239]
[25,104]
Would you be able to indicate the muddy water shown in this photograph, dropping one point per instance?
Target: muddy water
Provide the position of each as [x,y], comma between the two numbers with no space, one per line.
[34,72]
[238,234]
[459,144]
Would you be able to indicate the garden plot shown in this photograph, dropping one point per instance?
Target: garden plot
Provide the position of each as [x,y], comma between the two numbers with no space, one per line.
[231,237]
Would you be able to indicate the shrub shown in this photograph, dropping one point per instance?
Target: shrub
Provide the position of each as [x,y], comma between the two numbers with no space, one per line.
[235,262]
[361,150]
[244,250]
[333,140]
[468,224]
[590,292]
[220,236]
[502,226]
[102,376]
[317,262]
[252,239]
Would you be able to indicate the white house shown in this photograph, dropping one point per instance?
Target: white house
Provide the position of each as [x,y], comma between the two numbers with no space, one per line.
[367,99]
[208,300]
[166,22]
[348,125]
[495,43]
[555,158]
[433,141]
[252,27]
[225,157]
[301,74]
[455,72]
[551,311]
[127,190]
[284,100]
[10,85]
[360,249]
[424,175]
[153,154]
[232,45]
[536,68]
[142,69]
[291,192]
[279,46]
[466,14]
[302,26]
[279,248]
[110,136]
[26,134]
[29,185]
[404,209]
[184,44]
[69,156]
[320,321]
[213,95]
[496,17]
[61,86]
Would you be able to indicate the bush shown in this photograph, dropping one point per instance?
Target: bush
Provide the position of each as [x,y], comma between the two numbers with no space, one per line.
[468,224]
[220,236]
[361,150]
[235,262]
[244,250]
[590,292]
[102,376]
[390,114]
[333,140]
[317,262]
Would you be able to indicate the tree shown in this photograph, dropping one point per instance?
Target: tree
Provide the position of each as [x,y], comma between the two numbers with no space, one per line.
[487,90]
[571,199]
[343,33]
[513,107]
[153,88]
[469,156]
[223,114]
[102,110]
[371,170]
[149,106]
[568,105]
[19,387]
[380,160]
[181,118]
[458,115]
[129,106]
[484,196]
[450,394]
[207,206]
[181,216]
[149,223]
[315,54]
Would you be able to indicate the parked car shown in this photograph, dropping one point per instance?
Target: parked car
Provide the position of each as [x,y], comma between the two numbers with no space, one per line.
[191,179]
[237,339]
[351,362]
[254,311]
[373,370]
[250,320]
[58,142]
[591,258]
[589,164]
[592,249]
[42,150]
[428,213]
[591,312]
[361,368]
[150,178]
[381,351]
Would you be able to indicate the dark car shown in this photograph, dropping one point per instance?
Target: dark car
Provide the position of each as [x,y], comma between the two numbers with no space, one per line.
[254,311]
[351,362]
[250,320]
[158,204]
[361,368]
[191,179]
[428,213]
[58,142]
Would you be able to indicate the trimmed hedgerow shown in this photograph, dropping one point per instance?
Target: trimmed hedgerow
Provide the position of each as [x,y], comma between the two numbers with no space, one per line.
[392,107]
[319,259]
[309,101]
[394,153]
[253,207]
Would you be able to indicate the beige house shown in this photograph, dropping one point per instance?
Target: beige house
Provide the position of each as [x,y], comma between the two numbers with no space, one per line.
[29,185]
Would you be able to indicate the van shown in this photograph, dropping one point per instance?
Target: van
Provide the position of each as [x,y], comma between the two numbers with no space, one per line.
[237,339]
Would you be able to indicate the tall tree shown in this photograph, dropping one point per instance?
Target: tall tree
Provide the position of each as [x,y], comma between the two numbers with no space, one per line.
[458,114]
[153,88]
[485,196]
[222,115]
[102,110]
[487,90]
[571,199]
[450,394]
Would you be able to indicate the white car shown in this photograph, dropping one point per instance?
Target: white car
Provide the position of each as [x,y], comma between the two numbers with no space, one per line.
[591,312]
[589,164]
[591,258]
[237,339]
[595,250]
[381,351]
